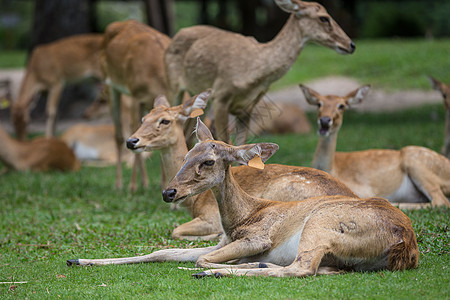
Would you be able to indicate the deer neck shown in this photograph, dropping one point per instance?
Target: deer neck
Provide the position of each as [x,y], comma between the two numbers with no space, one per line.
[278,55]
[9,147]
[324,155]
[235,205]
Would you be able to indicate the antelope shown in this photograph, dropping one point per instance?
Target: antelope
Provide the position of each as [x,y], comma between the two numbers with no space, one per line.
[320,235]
[239,69]
[445,90]
[162,129]
[39,154]
[412,174]
[50,67]
[133,63]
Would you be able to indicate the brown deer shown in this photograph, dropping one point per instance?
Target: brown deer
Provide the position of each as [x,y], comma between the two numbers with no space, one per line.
[50,67]
[39,154]
[133,61]
[162,129]
[445,91]
[320,235]
[415,175]
[239,69]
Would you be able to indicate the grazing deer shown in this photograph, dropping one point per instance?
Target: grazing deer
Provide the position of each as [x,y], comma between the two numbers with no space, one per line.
[39,154]
[320,235]
[412,174]
[239,69]
[50,67]
[133,61]
[162,129]
[445,90]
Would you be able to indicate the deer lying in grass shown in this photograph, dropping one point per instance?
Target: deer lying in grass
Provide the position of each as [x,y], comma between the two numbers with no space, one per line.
[39,154]
[133,60]
[238,68]
[50,67]
[320,235]
[445,90]
[413,174]
[162,129]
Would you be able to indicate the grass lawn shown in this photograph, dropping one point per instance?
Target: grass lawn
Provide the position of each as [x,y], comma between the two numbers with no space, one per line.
[48,218]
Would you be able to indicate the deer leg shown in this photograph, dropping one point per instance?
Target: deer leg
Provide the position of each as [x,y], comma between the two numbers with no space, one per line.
[235,250]
[115,113]
[427,181]
[54,95]
[180,255]
[242,127]
[220,111]
[197,229]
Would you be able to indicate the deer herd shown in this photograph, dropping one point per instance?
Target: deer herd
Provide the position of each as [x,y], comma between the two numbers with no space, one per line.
[269,220]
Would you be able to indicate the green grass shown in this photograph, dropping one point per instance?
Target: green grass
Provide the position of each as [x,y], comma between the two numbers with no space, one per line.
[389,64]
[48,218]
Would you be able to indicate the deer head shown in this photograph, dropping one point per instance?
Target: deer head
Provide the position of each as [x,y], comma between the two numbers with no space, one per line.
[161,126]
[443,88]
[331,108]
[206,164]
[318,25]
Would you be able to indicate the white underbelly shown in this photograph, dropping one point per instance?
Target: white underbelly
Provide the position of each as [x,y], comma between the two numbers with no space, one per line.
[284,254]
[407,192]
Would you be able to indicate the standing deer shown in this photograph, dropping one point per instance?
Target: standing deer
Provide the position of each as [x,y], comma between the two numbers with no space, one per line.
[50,67]
[445,90]
[413,174]
[239,69]
[162,129]
[40,154]
[133,61]
[320,235]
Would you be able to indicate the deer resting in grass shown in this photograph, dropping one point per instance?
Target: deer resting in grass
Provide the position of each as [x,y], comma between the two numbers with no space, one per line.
[239,69]
[445,91]
[320,235]
[50,67]
[39,154]
[415,175]
[162,129]
[133,60]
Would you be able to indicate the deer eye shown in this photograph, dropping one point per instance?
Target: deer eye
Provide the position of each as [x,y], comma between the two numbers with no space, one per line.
[319,104]
[324,20]
[208,163]
[164,122]
[341,106]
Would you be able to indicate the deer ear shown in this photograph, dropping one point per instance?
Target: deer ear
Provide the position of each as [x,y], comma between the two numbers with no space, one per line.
[437,85]
[287,5]
[161,100]
[311,96]
[357,95]
[194,106]
[254,155]
[202,131]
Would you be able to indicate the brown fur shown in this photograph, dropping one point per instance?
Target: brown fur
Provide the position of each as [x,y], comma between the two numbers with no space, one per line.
[49,68]
[132,60]
[238,68]
[445,91]
[412,175]
[40,154]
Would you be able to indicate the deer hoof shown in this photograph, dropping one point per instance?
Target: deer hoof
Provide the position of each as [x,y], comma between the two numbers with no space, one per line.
[262,265]
[71,262]
[199,275]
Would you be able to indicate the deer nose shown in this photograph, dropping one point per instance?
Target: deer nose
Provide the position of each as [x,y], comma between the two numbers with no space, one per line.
[169,195]
[325,121]
[352,47]
[131,143]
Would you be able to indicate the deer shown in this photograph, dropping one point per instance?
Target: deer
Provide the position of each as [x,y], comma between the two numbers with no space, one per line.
[445,91]
[133,63]
[321,235]
[40,154]
[414,177]
[162,129]
[239,69]
[50,67]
